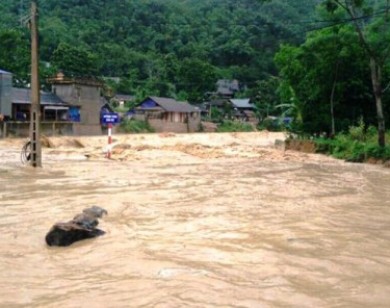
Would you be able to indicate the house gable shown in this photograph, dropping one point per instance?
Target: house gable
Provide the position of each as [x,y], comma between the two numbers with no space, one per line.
[167,105]
[243,103]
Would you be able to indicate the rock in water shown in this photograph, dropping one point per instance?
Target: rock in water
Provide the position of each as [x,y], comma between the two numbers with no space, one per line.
[82,226]
[95,211]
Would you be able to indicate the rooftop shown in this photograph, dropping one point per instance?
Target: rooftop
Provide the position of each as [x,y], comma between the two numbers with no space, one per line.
[172,105]
[23,96]
[242,103]
[5,72]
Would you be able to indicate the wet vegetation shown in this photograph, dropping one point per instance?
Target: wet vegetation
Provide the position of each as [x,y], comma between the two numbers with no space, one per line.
[357,145]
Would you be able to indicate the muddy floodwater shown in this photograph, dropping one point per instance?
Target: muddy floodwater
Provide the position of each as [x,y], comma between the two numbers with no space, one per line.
[194,221]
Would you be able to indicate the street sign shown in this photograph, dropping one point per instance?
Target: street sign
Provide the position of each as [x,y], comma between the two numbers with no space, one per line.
[110,118]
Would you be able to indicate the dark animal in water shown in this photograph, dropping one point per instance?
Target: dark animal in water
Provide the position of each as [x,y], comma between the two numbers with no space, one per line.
[82,226]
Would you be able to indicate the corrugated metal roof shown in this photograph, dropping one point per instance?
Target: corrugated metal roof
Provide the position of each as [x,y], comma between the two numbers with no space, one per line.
[5,72]
[242,103]
[23,96]
[171,105]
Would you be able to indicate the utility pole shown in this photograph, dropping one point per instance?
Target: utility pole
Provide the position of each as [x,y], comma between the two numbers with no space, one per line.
[36,152]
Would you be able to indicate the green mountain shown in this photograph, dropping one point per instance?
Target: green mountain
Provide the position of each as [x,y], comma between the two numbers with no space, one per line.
[161,47]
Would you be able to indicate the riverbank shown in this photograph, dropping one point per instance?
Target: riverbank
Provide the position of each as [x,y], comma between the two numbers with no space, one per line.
[346,151]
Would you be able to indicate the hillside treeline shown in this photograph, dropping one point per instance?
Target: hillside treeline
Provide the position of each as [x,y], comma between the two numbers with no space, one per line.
[299,58]
[165,48]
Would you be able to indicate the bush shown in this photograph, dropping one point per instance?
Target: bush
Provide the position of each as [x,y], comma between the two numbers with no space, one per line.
[272,125]
[378,152]
[357,132]
[357,146]
[234,126]
[135,126]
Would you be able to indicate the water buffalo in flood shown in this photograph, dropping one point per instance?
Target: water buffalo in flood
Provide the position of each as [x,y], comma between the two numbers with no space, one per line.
[82,226]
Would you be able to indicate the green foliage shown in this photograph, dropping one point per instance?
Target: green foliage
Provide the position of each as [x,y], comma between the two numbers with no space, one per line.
[135,126]
[216,115]
[356,146]
[14,54]
[330,61]
[265,97]
[75,61]
[357,133]
[272,124]
[171,48]
[234,126]
[196,78]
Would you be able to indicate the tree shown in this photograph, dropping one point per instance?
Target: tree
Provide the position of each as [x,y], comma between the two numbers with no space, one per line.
[372,24]
[325,80]
[196,77]
[15,55]
[265,97]
[75,61]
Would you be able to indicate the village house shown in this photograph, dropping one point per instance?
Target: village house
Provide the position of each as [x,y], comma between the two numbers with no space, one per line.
[15,105]
[227,88]
[121,99]
[86,95]
[72,108]
[244,110]
[167,115]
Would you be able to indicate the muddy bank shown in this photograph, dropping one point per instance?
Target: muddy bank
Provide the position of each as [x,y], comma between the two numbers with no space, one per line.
[309,146]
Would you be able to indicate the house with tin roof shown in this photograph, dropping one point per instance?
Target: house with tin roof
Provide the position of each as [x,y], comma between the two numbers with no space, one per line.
[52,107]
[15,103]
[244,109]
[73,104]
[167,114]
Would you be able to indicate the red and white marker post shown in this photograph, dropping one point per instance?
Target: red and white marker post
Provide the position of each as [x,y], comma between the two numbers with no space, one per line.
[109,141]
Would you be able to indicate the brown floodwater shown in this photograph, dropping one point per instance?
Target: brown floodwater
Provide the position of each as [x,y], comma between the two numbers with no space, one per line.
[208,232]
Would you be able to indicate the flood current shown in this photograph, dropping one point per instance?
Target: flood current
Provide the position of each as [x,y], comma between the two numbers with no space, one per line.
[228,232]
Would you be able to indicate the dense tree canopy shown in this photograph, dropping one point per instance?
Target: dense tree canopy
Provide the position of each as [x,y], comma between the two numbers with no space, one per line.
[150,43]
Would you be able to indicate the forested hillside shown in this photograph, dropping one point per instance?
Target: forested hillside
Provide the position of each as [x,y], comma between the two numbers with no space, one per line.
[162,47]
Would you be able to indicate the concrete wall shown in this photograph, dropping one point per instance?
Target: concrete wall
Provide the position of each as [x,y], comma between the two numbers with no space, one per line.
[87,129]
[6,94]
[193,125]
[22,129]
[164,125]
[86,96]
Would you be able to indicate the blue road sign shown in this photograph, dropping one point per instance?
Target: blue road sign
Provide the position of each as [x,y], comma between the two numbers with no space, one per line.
[110,118]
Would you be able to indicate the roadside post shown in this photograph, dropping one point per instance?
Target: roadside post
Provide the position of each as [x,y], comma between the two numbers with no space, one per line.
[110,119]
[109,141]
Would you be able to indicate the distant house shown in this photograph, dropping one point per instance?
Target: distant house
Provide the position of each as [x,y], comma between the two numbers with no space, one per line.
[86,95]
[168,115]
[52,107]
[73,107]
[244,109]
[122,99]
[242,103]
[220,98]
[223,106]
[227,88]
[15,103]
